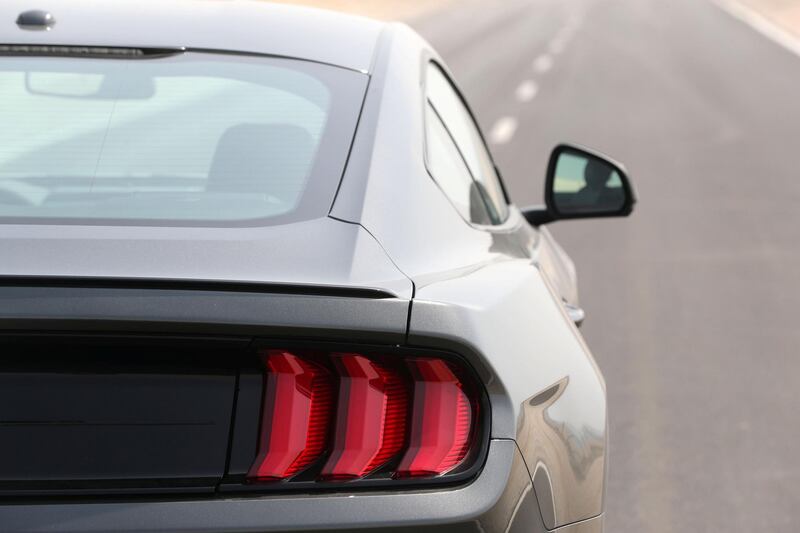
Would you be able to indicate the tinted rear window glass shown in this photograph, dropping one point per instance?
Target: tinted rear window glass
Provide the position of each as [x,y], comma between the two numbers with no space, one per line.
[191,138]
[465,133]
[450,171]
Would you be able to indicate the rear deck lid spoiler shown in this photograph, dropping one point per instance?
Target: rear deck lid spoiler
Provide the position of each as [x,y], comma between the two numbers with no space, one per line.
[217,308]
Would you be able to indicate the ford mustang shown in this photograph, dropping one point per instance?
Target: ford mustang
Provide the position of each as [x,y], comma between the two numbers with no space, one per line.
[259,272]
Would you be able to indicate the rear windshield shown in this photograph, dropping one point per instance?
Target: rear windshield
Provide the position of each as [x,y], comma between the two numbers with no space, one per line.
[192,138]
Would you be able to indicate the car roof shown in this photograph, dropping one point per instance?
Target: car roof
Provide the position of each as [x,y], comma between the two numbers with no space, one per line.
[232,25]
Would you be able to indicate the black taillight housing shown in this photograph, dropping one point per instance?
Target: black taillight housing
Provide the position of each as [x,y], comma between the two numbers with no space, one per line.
[363,417]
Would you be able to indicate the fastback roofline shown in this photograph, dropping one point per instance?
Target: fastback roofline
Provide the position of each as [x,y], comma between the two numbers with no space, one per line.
[341,40]
[134,52]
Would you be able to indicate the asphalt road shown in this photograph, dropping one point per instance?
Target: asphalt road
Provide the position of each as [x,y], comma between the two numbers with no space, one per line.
[692,302]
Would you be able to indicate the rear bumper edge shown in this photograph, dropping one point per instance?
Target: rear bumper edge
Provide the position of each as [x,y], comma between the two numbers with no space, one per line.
[449,507]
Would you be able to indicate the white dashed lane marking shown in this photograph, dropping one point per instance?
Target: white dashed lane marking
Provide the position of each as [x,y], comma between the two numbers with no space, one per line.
[557,45]
[526,91]
[503,130]
[543,63]
[564,35]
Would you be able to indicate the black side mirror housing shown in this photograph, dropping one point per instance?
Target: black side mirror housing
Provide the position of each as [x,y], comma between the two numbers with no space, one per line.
[583,184]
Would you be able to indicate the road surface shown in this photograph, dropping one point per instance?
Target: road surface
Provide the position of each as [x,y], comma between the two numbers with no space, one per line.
[692,303]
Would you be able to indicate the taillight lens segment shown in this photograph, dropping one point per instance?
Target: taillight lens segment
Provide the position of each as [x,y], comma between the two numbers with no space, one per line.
[298,402]
[441,422]
[340,417]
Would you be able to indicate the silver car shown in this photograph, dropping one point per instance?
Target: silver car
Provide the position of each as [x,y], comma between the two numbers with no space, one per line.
[259,272]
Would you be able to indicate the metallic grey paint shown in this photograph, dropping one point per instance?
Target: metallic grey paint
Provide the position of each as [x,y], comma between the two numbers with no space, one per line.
[497,289]
[491,503]
[545,389]
[493,294]
[209,312]
[245,27]
[317,252]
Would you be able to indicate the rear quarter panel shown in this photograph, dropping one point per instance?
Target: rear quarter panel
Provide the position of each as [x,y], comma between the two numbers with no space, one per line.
[480,293]
[545,389]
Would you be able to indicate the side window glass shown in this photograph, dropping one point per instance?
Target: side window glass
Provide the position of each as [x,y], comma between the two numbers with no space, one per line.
[451,173]
[465,133]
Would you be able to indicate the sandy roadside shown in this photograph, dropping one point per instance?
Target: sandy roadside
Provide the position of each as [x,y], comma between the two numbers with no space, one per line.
[380,9]
[784,13]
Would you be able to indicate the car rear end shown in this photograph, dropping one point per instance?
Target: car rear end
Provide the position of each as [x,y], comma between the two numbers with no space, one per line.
[192,421]
[189,342]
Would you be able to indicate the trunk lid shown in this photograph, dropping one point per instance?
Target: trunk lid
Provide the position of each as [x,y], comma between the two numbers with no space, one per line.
[322,252]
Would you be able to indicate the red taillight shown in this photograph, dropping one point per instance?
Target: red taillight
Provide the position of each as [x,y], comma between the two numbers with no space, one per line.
[371,418]
[298,403]
[441,423]
[346,416]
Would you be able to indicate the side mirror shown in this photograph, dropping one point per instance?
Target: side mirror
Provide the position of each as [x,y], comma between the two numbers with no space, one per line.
[583,184]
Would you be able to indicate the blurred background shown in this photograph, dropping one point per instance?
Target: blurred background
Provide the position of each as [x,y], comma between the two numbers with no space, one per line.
[691,303]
